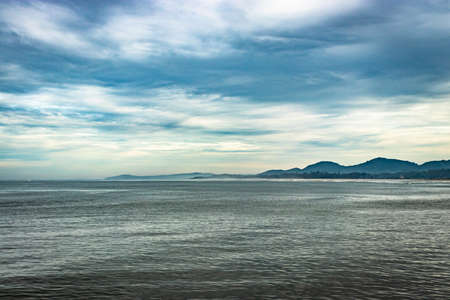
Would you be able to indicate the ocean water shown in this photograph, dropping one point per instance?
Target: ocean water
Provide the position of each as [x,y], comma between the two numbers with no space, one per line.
[225,240]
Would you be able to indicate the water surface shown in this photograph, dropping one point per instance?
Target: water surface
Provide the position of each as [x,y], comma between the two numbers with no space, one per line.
[225,240]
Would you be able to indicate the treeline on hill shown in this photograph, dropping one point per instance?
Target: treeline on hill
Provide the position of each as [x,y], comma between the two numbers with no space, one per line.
[431,174]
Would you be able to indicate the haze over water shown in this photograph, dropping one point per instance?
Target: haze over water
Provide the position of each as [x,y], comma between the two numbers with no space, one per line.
[225,240]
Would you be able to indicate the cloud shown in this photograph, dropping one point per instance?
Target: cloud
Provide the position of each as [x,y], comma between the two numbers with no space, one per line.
[190,28]
[229,86]
[199,28]
[50,24]
[249,49]
[158,28]
[14,72]
[262,15]
[91,124]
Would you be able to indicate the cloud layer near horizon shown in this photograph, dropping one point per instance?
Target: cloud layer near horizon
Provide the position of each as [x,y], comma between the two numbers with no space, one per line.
[92,89]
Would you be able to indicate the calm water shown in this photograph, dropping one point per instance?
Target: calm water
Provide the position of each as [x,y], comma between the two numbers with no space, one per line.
[225,240]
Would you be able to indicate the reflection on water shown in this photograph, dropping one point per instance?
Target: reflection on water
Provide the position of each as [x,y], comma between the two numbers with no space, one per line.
[225,240]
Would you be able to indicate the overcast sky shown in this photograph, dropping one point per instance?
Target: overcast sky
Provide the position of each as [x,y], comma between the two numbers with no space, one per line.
[90,89]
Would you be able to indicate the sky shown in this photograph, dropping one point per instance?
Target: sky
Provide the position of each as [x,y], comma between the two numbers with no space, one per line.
[90,89]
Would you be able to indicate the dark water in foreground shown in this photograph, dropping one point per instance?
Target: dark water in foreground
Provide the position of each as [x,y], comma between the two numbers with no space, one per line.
[225,240]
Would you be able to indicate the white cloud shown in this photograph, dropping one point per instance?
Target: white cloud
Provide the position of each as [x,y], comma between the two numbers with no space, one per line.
[206,131]
[350,50]
[155,28]
[204,28]
[49,24]
[267,14]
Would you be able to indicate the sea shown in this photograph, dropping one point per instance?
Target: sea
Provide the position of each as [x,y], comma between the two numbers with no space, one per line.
[236,239]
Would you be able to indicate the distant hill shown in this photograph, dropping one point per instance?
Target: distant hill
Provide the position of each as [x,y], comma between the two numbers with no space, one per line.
[182,176]
[324,166]
[272,173]
[383,165]
[436,165]
[375,166]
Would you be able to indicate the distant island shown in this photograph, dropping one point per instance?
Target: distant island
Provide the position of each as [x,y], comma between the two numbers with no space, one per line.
[377,168]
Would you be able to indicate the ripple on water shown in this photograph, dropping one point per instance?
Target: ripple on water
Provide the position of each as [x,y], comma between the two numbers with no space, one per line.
[225,240]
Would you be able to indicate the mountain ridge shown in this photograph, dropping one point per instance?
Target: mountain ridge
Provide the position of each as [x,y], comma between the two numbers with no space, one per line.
[379,167]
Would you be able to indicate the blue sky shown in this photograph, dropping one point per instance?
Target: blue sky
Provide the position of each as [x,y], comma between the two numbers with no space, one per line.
[90,89]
